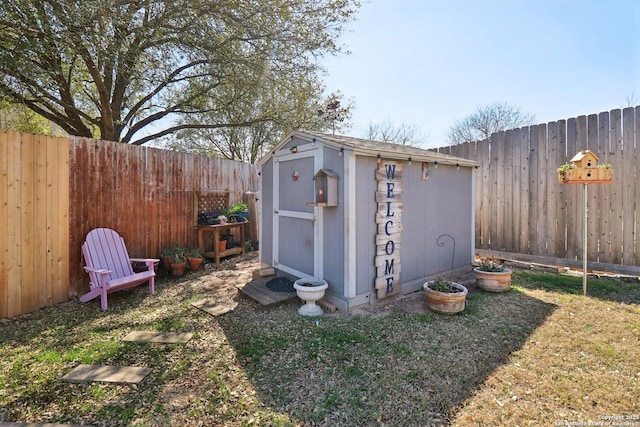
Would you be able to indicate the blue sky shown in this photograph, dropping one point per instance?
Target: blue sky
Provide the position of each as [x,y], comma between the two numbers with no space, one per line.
[428,63]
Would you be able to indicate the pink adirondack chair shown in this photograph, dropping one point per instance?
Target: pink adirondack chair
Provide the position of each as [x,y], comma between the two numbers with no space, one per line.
[109,266]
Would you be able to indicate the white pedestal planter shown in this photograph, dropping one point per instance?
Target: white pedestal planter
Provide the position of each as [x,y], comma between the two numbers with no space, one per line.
[310,290]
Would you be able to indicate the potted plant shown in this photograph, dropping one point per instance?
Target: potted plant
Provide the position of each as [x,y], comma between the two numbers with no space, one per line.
[222,219]
[445,296]
[178,263]
[493,277]
[605,172]
[564,172]
[239,212]
[165,255]
[222,244]
[196,259]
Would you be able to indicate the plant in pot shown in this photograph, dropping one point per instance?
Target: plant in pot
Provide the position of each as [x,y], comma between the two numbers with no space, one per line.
[239,212]
[166,254]
[222,244]
[196,259]
[178,263]
[493,277]
[564,172]
[444,295]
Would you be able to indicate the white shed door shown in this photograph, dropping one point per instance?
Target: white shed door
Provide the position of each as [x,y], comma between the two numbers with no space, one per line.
[295,227]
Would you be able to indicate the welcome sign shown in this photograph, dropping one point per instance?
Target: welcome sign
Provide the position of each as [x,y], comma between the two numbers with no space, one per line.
[389,228]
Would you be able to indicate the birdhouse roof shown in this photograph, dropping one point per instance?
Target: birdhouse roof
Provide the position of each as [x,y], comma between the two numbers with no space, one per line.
[583,155]
[325,172]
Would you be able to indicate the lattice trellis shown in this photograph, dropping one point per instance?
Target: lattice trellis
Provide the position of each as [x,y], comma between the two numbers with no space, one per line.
[209,202]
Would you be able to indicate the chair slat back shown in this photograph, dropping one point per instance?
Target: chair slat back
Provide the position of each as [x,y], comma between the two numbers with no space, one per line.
[104,248]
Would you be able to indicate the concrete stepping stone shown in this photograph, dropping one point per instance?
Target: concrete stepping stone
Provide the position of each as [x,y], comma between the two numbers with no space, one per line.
[159,337]
[106,373]
[213,308]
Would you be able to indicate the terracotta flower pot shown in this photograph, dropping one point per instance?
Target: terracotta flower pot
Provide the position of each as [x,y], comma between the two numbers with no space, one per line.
[195,263]
[166,262]
[445,302]
[178,269]
[493,281]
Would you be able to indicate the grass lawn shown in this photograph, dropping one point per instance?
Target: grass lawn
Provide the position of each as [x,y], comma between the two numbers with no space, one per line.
[540,354]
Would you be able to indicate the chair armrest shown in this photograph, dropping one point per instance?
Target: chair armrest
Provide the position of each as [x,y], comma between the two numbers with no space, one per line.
[144,259]
[97,270]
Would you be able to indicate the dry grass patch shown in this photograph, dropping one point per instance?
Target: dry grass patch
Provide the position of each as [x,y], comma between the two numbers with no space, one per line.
[582,365]
[539,353]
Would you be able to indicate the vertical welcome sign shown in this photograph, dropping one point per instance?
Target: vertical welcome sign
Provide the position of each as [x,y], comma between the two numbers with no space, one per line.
[389,225]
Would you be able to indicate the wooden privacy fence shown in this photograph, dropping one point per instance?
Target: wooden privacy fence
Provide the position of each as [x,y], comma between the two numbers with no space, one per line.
[521,208]
[53,191]
[34,222]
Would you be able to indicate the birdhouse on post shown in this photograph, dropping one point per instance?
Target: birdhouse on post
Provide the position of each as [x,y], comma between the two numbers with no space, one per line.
[584,169]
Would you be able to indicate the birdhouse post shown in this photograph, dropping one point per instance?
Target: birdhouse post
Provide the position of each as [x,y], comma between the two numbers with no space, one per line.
[584,169]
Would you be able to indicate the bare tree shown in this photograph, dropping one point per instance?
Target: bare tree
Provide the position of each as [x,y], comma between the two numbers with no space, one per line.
[632,100]
[487,120]
[402,134]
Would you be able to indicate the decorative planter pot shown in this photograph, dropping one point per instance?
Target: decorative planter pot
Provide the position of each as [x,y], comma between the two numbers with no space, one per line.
[445,302]
[178,269]
[310,290]
[578,176]
[222,245]
[166,262]
[490,281]
[195,263]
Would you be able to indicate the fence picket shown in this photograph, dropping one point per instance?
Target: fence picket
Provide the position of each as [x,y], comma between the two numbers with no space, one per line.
[615,157]
[627,178]
[594,191]
[635,161]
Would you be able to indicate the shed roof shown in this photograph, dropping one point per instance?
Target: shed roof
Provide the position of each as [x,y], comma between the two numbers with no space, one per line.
[373,148]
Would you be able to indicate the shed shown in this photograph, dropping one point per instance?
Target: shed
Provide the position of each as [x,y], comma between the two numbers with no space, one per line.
[364,215]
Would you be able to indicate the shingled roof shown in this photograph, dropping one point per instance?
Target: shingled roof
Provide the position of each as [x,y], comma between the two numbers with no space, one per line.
[373,148]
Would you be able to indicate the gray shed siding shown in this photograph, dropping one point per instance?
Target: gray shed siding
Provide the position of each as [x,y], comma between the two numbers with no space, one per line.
[443,204]
[366,229]
[266,208]
[333,225]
